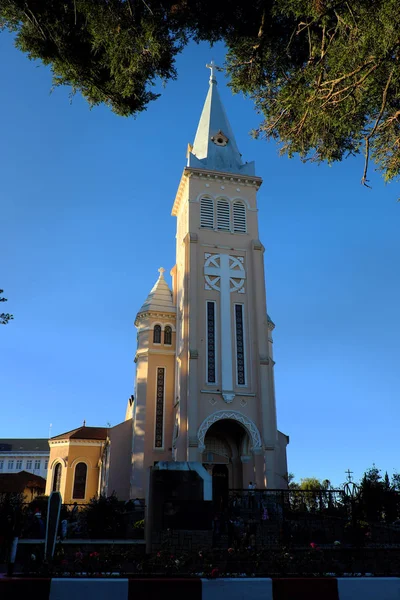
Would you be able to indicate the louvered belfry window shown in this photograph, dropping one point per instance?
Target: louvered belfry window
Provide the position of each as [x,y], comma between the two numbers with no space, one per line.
[207,213]
[223,215]
[239,217]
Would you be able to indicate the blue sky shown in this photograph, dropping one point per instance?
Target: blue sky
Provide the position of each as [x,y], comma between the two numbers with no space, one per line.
[86,198]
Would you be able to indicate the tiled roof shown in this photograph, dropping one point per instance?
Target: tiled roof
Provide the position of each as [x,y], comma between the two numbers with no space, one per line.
[24,445]
[84,433]
[18,482]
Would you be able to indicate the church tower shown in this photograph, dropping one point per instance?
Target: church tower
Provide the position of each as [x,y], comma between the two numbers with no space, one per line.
[210,392]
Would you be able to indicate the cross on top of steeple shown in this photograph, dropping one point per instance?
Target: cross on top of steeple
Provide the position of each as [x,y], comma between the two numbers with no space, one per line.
[213,68]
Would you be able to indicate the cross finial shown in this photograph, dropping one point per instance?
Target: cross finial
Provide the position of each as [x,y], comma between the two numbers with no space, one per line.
[213,68]
[84,422]
[161,270]
[349,475]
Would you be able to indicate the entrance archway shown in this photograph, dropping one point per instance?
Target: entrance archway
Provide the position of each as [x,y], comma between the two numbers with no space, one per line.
[226,444]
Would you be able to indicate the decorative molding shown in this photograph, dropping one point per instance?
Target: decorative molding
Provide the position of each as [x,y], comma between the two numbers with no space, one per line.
[264,360]
[247,394]
[212,401]
[169,316]
[193,238]
[98,443]
[257,245]
[228,397]
[244,180]
[243,402]
[193,441]
[147,351]
[247,423]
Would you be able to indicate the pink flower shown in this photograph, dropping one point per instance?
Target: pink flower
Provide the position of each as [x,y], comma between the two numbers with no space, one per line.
[214,573]
[158,554]
[313,545]
[94,554]
[231,550]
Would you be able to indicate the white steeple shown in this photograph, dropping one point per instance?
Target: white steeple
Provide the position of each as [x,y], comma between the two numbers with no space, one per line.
[215,146]
[160,297]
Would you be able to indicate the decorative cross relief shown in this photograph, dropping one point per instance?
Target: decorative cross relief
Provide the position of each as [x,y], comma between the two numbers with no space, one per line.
[225,274]
[212,272]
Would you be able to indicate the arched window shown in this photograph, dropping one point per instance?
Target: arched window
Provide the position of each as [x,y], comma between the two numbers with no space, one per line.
[223,215]
[207,213]
[57,478]
[80,481]
[157,334]
[168,335]
[239,217]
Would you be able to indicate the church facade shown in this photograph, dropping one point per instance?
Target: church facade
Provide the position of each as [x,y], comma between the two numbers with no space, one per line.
[205,370]
[204,387]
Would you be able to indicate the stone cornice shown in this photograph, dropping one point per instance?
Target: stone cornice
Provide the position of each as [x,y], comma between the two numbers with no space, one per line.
[75,442]
[148,351]
[169,316]
[243,180]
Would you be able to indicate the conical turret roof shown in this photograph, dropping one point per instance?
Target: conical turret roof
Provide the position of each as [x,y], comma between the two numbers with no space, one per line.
[160,297]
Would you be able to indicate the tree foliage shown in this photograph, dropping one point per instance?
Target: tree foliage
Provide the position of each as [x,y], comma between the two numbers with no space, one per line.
[324,74]
[4,317]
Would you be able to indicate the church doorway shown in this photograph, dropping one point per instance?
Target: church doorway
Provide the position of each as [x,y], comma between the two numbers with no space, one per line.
[226,445]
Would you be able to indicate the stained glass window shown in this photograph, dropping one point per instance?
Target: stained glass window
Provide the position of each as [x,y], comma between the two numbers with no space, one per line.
[57,478]
[80,481]
[240,362]
[157,334]
[168,335]
[211,376]
[159,433]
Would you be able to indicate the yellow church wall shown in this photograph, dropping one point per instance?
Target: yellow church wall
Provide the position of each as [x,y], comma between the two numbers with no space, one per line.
[69,454]
[153,454]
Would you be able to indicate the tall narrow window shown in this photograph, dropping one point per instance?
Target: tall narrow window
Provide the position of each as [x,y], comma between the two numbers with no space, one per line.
[211,373]
[223,215]
[207,213]
[159,431]
[240,360]
[80,481]
[57,478]
[168,335]
[157,334]
[239,217]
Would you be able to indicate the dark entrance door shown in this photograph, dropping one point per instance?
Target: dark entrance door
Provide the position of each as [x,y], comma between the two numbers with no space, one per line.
[220,481]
